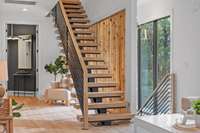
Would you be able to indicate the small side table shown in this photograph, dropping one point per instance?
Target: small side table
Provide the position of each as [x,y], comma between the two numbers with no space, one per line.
[6,118]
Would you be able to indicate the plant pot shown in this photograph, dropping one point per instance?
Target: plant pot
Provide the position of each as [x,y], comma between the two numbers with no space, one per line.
[197,119]
[55,84]
[67,82]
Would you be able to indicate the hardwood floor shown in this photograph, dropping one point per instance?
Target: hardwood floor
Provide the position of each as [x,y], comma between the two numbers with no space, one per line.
[39,117]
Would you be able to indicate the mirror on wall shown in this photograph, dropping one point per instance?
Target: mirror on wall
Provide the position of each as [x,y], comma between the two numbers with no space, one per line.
[24,52]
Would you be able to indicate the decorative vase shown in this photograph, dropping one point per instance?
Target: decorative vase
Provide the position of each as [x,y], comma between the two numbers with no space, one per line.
[55,84]
[198,121]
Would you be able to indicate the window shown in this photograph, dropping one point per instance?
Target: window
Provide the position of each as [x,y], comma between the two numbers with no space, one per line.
[153,54]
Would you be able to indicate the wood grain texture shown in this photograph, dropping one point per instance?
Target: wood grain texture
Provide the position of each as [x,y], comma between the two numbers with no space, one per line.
[6,118]
[76,55]
[110,37]
[39,117]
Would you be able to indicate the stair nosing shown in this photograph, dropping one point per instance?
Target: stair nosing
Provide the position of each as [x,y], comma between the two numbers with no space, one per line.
[100,75]
[73,6]
[97,67]
[105,94]
[101,85]
[90,52]
[92,59]
[118,104]
[105,117]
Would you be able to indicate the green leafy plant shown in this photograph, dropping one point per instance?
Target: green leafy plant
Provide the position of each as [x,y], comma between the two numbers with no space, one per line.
[15,108]
[63,67]
[196,106]
[58,67]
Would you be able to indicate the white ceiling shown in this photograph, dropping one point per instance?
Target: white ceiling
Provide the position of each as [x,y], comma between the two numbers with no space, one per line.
[42,7]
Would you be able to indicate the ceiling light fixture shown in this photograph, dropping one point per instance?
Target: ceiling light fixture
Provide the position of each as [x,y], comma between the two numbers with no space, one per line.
[24,9]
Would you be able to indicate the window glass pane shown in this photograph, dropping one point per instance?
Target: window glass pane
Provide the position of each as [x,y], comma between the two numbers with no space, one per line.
[163,48]
[146,61]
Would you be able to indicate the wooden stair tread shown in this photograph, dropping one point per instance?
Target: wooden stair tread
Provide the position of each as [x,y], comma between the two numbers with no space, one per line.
[79,21]
[97,67]
[75,11]
[91,85]
[117,104]
[71,2]
[97,59]
[105,94]
[100,75]
[76,15]
[83,32]
[90,52]
[107,117]
[73,6]
[91,38]
[87,44]
[82,26]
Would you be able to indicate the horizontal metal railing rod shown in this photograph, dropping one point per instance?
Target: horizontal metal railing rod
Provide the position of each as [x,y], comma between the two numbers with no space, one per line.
[155,91]
[151,101]
[161,98]
[165,108]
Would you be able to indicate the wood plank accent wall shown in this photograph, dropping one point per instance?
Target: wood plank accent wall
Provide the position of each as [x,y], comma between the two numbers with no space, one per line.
[110,36]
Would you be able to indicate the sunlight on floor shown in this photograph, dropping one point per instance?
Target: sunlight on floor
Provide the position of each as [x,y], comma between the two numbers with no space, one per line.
[58,119]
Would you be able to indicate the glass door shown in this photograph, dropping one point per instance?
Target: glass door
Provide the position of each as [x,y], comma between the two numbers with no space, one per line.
[146,61]
[153,56]
[163,47]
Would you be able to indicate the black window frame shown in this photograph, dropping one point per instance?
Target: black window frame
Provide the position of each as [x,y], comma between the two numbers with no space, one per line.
[155,55]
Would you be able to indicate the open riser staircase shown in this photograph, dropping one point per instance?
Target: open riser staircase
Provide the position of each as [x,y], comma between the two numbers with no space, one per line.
[85,60]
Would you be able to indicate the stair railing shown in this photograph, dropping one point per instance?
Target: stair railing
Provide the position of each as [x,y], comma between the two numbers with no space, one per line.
[162,100]
[76,63]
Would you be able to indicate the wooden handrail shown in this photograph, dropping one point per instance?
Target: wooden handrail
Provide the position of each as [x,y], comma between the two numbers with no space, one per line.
[84,68]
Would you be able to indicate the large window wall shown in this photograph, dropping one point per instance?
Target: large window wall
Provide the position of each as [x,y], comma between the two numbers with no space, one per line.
[153,54]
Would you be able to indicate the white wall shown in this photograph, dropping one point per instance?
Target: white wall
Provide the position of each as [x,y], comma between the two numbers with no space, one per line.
[153,9]
[99,9]
[186,61]
[185,40]
[48,49]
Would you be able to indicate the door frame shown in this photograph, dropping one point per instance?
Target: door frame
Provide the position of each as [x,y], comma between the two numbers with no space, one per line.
[37,48]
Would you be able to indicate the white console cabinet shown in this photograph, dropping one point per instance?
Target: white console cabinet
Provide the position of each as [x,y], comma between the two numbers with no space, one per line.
[160,124]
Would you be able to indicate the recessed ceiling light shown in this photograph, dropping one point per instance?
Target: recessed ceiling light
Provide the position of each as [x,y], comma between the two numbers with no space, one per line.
[24,9]
[23,2]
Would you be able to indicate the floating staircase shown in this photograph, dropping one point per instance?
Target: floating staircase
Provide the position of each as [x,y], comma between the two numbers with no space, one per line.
[88,67]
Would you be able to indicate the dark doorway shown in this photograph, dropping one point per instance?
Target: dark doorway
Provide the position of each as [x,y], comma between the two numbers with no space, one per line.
[21,44]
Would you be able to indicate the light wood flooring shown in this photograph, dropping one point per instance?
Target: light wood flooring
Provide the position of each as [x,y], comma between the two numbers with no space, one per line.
[39,117]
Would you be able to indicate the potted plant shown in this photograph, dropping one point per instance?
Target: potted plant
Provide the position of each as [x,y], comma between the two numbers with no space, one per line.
[63,67]
[196,107]
[54,68]
[15,108]
[63,71]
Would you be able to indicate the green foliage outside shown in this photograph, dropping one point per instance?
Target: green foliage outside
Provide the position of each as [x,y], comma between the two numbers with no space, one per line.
[147,46]
[163,48]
